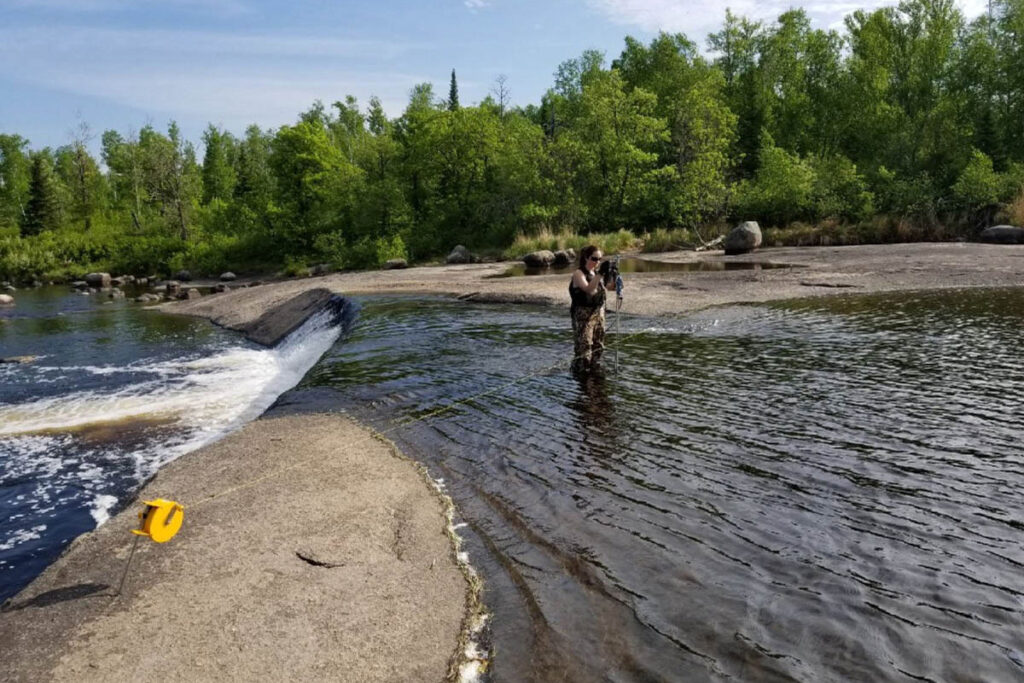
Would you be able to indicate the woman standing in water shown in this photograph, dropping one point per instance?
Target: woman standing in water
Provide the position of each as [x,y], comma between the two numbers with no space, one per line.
[587,292]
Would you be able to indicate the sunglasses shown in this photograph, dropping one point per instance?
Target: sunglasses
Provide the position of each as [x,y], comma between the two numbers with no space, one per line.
[595,258]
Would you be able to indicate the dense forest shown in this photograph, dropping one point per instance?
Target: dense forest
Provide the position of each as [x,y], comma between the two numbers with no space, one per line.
[906,125]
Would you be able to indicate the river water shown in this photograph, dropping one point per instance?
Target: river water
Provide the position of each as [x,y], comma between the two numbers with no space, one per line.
[820,490]
[116,392]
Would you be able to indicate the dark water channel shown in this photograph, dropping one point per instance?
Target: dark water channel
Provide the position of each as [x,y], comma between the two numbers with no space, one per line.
[822,490]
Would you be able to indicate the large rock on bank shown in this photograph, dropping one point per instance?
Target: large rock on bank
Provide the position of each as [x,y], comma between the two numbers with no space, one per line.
[1002,234]
[565,257]
[459,255]
[98,280]
[6,300]
[742,239]
[539,259]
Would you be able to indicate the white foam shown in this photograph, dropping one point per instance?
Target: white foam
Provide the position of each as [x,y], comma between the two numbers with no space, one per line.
[101,507]
[22,535]
[200,399]
[210,395]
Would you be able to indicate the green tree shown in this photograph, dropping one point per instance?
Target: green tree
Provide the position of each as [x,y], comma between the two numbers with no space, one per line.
[690,97]
[80,180]
[43,211]
[219,158]
[782,189]
[316,187]
[15,173]
[453,94]
[978,185]
[170,176]
[608,157]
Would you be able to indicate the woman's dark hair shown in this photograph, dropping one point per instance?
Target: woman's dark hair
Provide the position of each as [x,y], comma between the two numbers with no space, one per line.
[585,254]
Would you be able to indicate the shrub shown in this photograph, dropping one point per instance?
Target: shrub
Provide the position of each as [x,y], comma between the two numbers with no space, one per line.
[978,185]
[839,190]
[781,190]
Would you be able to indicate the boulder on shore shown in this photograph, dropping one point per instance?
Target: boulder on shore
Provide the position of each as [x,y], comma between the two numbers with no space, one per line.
[6,300]
[172,288]
[396,264]
[183,276]
[459,255]
[228,276]
[221,288]
[742,239]
[192,293]
[98,280]
[565,257]
[539,259]
[1002,234]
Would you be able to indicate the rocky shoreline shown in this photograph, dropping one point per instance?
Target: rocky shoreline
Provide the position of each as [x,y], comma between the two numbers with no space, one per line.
[815,271]
[311,548]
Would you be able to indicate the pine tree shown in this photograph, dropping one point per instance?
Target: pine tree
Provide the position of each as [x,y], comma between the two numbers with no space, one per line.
[43,209]
[453,94]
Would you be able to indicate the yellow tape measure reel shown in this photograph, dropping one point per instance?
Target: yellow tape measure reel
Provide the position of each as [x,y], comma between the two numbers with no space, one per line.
[161,520]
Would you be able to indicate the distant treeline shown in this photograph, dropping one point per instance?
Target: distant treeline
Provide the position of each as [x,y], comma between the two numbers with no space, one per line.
[907,125]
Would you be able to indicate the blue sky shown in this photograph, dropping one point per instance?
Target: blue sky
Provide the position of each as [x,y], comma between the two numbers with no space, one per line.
[124,63]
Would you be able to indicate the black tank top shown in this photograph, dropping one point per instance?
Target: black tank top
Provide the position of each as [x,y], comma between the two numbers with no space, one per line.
[581,299]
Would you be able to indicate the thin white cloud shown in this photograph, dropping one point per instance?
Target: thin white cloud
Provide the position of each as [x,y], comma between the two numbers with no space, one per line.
[226,78]
[145,43]
[697,19]
[474,5]
[217,7]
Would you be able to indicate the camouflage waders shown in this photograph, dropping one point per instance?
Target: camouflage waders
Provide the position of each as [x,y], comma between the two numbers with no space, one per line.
[588,331]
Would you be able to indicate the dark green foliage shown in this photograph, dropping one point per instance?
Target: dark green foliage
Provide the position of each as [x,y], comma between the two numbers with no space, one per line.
[14,179]
[42,211]
[453,94]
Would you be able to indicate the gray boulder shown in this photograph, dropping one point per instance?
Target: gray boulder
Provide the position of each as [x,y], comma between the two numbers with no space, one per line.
[142,281]
[183,276]
[80,284]
[10,288]
[98,280]
[396,264]
[320,269]
[6,300]
[221,288]
[1002,234]
[744,238]
[192,293]
[539,259]
[564,257]
[116,282]
[459,255]
[228,277]
[116,293]
[172,288]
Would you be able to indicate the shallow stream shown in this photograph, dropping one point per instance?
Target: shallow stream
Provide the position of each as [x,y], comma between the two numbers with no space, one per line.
[820,490]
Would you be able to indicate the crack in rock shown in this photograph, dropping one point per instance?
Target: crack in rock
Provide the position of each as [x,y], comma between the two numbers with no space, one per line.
[312,559]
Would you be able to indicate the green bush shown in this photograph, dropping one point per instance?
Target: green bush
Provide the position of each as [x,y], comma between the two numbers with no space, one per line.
[839,190]
[781,191]
[978,185]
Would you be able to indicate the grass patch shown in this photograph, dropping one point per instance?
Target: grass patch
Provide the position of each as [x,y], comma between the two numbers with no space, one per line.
[608,242]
